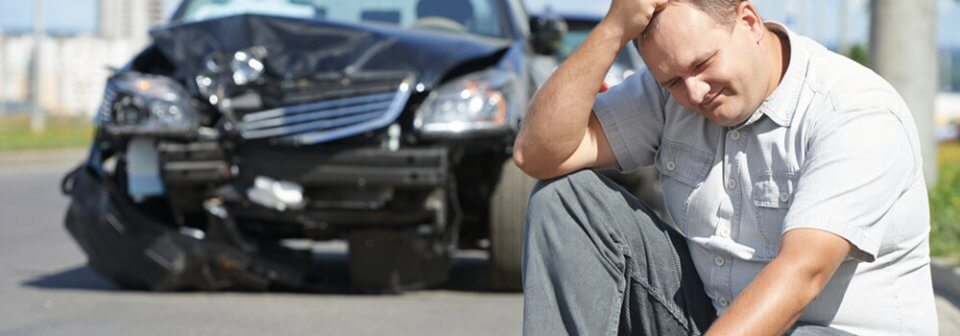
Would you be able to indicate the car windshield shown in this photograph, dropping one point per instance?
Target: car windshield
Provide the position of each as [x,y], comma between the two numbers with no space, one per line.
[479,17]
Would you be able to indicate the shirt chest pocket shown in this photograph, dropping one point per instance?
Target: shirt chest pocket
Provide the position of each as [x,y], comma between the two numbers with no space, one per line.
[683,170]
[773,193]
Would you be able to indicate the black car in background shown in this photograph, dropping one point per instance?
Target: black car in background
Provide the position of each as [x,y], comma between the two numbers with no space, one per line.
[250,126]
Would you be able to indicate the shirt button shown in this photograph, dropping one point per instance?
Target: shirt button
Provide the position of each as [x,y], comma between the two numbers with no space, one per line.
[671,166]
[722,302]
[725,232]
[784,197]
[735,135]
[719,261]
[731,183]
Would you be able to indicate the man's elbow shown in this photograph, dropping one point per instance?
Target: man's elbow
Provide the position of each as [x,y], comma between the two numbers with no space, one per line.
[530,167]
[542,156]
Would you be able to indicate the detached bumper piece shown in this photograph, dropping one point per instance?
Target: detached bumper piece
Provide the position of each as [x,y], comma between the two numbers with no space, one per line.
[353,188]
[139,252]
[193,163]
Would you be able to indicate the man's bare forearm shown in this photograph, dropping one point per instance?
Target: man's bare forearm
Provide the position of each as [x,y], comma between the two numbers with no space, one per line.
[558,116]
[774,301]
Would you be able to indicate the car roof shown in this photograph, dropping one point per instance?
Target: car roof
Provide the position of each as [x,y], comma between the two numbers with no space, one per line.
[570,16]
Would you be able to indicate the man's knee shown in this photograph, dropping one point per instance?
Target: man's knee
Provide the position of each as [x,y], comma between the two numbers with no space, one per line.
[547,193]
[558,202]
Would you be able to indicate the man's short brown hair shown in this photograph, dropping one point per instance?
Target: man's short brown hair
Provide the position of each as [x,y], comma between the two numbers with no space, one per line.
[722,11]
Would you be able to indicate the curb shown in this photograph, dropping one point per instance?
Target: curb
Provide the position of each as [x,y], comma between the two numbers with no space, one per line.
[40,156]
[946,277]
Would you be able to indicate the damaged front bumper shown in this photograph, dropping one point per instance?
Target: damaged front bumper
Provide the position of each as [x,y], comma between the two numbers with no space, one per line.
[137,251]
[390,205]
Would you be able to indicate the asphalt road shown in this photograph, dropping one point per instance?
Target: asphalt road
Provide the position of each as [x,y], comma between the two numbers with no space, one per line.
[47,289]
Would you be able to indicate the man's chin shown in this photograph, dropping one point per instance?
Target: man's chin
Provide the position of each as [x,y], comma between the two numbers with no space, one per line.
[725,118]
[721,119]
[720,116]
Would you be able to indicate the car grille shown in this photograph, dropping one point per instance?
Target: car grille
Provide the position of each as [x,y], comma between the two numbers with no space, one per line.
[329,119]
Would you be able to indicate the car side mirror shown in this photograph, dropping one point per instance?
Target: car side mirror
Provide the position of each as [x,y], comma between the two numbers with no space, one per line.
[546,34]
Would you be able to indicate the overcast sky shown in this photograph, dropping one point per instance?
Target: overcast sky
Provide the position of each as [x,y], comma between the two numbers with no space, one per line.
[814,18]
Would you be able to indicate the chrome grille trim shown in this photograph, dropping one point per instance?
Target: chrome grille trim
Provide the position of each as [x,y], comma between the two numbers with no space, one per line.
[280,125]
[279,112]
[327,120]
[319,124]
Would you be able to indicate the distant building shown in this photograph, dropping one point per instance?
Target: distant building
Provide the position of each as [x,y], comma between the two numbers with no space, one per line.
[128,19]
[73,70]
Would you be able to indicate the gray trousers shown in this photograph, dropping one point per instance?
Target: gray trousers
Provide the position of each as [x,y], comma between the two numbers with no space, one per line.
[597,261]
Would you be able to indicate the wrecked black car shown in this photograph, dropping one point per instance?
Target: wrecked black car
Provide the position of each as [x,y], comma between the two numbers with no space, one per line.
[247,124]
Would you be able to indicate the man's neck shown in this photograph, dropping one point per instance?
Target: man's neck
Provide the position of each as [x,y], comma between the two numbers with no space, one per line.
[778,49]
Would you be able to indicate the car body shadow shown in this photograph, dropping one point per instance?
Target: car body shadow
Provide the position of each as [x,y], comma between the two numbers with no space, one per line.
[80,277]
[329,274]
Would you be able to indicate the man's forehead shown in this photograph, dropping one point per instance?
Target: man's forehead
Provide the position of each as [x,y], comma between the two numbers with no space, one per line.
[679,20]
[683,35]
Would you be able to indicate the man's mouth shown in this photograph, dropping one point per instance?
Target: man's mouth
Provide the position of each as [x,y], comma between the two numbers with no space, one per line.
[710,101]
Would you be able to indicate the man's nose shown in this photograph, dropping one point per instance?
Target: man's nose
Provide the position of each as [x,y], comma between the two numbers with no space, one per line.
[696,89]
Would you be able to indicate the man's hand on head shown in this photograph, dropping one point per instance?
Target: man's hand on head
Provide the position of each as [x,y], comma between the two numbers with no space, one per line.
[632,16]
[560,133]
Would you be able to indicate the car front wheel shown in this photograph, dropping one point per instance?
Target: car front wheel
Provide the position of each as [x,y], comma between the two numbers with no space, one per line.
[508,206]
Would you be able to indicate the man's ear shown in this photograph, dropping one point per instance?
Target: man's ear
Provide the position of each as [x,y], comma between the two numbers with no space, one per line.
[748,16]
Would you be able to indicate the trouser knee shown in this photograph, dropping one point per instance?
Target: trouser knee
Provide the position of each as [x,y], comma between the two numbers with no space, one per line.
[547,194]
[580,208]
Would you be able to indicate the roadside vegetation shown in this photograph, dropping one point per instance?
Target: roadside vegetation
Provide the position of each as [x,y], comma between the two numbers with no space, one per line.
[945,204]
[60,132]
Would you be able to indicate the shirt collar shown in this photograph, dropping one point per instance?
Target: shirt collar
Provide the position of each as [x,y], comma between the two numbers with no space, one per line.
[782,103]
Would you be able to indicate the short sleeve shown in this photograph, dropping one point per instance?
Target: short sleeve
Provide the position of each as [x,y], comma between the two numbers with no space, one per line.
[858,164]
[632,117]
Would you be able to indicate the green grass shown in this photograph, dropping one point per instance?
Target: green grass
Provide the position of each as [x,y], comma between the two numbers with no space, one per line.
[945,204]
[60,132]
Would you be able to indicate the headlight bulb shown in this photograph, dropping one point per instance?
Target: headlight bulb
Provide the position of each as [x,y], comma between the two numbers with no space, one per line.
[166,113]
[126,112]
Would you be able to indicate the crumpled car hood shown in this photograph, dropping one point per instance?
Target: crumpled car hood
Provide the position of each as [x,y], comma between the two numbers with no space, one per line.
[299,48]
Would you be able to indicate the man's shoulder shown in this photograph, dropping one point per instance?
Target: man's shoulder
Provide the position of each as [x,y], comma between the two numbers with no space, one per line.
[848,85]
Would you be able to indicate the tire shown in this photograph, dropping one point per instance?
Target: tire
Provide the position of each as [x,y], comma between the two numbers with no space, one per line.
[508,207]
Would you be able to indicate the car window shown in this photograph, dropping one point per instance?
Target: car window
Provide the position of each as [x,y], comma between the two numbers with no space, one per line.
[574,38]
[479,17]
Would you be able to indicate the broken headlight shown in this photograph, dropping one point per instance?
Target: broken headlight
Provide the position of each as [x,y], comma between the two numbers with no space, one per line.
[224,76]
[143,104]
[477,103]
[247,65]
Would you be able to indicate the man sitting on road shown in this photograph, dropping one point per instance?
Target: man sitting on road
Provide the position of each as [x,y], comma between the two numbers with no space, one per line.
[793,176]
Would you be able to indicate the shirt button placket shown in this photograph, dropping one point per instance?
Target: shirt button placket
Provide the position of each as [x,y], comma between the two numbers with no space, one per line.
[734,148]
